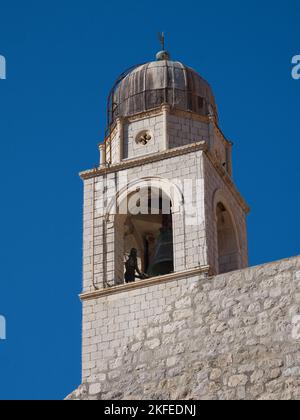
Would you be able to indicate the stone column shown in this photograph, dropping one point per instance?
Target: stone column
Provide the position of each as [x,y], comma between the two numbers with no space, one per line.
[102,155]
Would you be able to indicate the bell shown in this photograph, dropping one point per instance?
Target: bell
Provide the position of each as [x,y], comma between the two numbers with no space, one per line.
[162,262]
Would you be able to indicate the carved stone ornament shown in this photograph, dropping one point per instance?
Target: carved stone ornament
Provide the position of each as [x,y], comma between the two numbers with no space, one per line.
[143,138]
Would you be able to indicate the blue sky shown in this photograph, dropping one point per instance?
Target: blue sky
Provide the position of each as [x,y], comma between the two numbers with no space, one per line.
[62,59]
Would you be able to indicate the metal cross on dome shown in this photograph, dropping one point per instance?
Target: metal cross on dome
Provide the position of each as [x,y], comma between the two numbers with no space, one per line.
[161,37]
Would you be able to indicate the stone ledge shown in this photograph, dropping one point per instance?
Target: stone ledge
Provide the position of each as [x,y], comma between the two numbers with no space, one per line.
[144,283]
[155,157]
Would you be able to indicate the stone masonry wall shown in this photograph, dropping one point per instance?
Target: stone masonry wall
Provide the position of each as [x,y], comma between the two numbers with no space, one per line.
[154,125]
[215,191]
[233,336]
[182,131]
[189,240]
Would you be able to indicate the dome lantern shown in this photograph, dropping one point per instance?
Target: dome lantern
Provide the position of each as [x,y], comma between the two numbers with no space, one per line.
[163,55]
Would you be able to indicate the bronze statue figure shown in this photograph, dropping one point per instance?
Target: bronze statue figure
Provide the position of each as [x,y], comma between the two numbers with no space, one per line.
[132,268]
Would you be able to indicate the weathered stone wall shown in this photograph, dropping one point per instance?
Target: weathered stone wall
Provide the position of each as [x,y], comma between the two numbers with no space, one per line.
[195,234]
[183,130]
[217,191]
[233,336]
[154,125]
[189,234]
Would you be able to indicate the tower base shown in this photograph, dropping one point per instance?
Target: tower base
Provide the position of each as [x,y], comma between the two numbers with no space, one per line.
[235,336]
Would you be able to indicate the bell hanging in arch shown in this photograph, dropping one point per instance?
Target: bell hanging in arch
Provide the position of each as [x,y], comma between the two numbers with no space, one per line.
[163,259]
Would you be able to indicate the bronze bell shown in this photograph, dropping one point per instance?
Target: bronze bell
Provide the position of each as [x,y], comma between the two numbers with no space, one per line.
[163,262]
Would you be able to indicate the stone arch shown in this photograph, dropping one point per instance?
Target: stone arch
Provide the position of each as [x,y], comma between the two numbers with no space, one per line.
[169,188]
[132,230]
[227,238]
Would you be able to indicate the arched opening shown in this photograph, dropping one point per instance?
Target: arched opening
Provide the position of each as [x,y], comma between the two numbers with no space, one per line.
[228,250]
[145,224]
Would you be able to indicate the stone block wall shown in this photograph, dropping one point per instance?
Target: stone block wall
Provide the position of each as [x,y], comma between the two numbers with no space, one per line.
[233,336]
[180,128]
[189,238]
[183,130]
[219,148]
[195,232]
[216,190]
[187,129]
[153,125]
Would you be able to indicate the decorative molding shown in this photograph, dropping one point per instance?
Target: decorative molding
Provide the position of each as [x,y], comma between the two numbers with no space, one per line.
[189,115]
[155,157]
[144,283]
[144,137]
[144,115]
[167,154]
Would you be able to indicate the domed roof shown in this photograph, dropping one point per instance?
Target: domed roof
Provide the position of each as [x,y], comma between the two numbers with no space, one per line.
[160,82]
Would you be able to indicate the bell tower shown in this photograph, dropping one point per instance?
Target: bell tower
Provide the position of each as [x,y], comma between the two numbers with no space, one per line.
[163,191]
[164,161]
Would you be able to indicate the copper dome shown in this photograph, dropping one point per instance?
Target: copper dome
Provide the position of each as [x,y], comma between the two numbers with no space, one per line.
[153,84]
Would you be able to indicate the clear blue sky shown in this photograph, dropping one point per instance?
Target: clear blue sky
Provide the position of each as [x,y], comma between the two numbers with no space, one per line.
[63,57]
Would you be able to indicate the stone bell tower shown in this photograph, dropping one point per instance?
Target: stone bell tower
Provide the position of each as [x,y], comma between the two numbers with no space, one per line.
[164,187]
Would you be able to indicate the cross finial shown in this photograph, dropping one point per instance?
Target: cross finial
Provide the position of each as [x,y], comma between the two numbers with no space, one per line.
[163,54]
[161,37]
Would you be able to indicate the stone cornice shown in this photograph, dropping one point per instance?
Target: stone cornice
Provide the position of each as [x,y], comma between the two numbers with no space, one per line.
[189,115]
[144,283]
[156,157]
[144,115]
[167,154]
